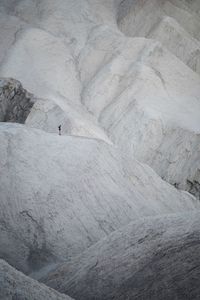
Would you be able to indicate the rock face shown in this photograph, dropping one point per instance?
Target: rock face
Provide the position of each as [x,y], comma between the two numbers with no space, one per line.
[15,285]
[15,102]
[106,85]
[46,115]
[153,258]
[122,78]
[60,195]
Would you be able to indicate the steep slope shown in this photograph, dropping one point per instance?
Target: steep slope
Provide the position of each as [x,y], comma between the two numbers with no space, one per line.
[71,21]
[170,22]
[184,16]
[102,84]
[15,285]
[178,41]
[142,97]
[122,79]
[138,17]
[54,69]
[154,258]
[131,16]
[10,28]
[192,5]
[60,195]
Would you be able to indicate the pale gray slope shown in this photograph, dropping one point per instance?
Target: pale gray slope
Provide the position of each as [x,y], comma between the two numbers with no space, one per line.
[60,195]
[178,41]
[69,20]
[170,22]
[193,5]
[186,18]
[101,84]
[141,95]
[47,115]
[44,65]
[15,285]
[10,26]
[154,258]
[139,17]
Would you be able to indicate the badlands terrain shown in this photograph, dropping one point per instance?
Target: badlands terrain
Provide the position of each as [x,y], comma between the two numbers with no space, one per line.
[111,208]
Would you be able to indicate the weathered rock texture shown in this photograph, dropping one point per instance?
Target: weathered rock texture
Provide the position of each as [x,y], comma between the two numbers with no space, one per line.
[123,80]
[153,258]
[106,85]
[15,102]
[60,195]
[16,286]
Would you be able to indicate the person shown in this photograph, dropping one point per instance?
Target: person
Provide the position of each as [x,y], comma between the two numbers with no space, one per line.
[59,129]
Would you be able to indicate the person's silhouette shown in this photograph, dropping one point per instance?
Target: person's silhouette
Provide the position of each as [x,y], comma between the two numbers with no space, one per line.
[59,129]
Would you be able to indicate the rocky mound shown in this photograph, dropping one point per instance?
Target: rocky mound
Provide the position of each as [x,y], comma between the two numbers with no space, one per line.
[15,102]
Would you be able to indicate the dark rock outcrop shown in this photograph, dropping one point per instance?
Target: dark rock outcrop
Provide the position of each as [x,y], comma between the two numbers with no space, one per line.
[15,101]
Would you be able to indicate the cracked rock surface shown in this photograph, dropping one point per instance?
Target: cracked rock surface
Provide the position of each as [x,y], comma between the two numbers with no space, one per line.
[15,101]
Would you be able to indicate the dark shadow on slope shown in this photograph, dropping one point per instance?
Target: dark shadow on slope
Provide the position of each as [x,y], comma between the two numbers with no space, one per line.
[154,259]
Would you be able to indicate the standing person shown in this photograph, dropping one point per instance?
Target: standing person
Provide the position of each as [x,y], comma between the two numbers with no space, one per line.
[59,129]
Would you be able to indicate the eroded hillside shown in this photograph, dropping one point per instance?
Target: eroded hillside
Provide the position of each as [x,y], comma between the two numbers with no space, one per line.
[122,78]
